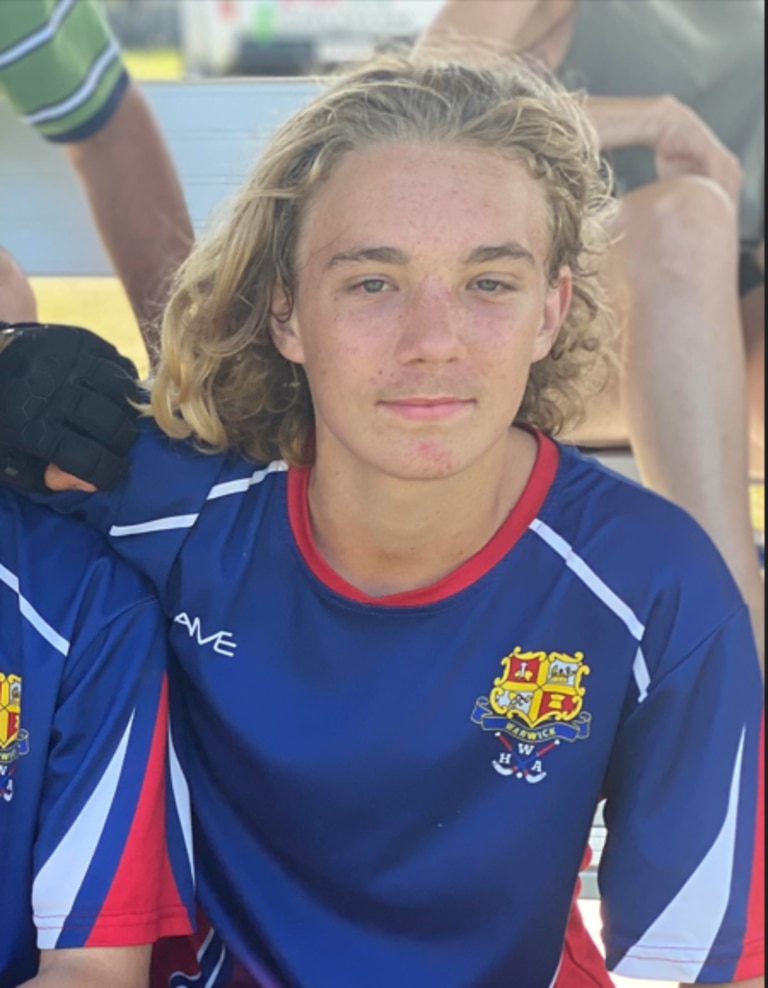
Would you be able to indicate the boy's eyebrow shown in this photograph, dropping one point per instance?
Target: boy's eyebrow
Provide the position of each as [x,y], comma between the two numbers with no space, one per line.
[509,250]
[384,255]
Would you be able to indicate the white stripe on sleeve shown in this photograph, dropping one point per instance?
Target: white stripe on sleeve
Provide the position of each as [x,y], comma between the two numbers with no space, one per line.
[156,525]
[588,576]
[82,94]
[28,611]
[180,797]
[642,675]
[225,489]
[675,947]
[242,485]
[38,38]
[58,881]
[603,592]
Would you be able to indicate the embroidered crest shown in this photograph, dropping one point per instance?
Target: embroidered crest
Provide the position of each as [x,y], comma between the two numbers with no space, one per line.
[535,704]
[14,740]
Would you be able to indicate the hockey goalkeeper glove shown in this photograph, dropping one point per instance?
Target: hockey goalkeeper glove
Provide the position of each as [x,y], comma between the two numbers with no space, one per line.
[64,400]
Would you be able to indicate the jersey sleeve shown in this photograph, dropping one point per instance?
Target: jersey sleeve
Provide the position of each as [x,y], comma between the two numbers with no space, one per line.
[112,858]
[60,66]
[148,518]
[682,865]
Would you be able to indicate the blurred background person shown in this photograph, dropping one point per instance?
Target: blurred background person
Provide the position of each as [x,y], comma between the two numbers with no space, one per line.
[675,93]
[62,70]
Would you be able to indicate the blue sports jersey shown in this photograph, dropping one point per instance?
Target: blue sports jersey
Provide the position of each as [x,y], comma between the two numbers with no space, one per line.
[398,791]
[94,820]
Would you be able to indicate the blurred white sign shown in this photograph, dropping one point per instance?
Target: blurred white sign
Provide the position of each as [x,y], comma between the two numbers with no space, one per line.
[220,36]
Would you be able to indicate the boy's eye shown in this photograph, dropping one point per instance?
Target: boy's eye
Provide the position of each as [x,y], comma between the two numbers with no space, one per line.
[372,286]
[491,285]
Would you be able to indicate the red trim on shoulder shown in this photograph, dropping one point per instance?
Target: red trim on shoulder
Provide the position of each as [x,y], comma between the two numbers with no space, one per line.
[752,961]
[143,902]
[517,522]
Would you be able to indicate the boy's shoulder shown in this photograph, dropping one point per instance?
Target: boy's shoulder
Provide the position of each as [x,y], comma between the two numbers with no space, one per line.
[60,573]
[590,497]
[644,546]
[166,487]
[31,532]
[175,476]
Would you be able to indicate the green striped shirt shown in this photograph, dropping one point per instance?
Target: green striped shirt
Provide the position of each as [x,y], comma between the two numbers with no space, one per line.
[59,66]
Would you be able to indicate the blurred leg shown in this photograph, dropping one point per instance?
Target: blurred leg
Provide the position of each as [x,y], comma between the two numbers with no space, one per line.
[753,322]
[681,393]
[17,303]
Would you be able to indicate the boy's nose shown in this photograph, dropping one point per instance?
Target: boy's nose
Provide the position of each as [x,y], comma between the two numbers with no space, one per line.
[432,326]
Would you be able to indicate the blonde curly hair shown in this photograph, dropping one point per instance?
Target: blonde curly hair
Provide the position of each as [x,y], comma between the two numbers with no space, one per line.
[221,380]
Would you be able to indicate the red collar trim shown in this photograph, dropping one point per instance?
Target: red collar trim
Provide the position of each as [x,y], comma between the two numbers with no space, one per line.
[517,522]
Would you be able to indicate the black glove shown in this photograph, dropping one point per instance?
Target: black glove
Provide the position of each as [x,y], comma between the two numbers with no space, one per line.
[64,399]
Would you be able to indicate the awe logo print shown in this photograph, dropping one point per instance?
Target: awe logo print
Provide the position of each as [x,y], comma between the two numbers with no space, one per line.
[221,641]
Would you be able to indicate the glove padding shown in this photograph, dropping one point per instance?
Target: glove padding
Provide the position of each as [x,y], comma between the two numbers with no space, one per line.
[64,395]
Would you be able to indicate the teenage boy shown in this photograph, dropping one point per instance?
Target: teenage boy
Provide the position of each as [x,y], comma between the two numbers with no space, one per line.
[418,640]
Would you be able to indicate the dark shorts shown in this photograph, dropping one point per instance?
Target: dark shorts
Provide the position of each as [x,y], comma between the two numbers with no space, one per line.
[750,275]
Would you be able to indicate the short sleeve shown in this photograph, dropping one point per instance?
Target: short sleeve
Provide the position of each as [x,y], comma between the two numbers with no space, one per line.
[680,873]
[112,858]
[60,67]
[148,518]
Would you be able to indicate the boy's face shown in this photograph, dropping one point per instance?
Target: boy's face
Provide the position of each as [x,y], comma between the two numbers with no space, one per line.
[422,302]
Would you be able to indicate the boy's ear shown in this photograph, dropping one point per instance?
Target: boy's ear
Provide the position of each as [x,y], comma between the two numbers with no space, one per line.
[556,307]
[284,326]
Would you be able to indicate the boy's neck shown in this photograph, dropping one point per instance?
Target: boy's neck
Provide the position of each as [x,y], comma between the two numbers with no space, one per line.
[387,536]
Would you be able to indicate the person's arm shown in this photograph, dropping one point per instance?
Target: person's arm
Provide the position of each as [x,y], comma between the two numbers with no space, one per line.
[138,205]
[502,22]
[749,983]
[683,143]
[17,301]
[112,859]
[93,967]
[61,69]
[84,425]
[681,872]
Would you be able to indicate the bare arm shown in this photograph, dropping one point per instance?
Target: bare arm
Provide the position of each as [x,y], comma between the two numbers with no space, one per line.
[503,21]
[519,24]
[683,143]
[750,983]
[17,303]
[93,967]
[138,204]
[623,121]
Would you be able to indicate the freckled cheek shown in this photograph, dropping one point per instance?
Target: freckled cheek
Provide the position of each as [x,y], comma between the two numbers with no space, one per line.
[347,362]
[364,344]
[495,349]
[504,369]
[505,346]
